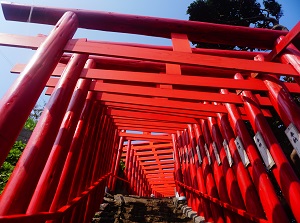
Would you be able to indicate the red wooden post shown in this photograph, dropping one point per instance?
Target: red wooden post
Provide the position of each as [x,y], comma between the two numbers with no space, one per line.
[184,168]
[129,171]
[127,163]
[132,180]
[39,146]
[140,182]
[63,189]
[217,171]
[199,174]
[79,212]
[117,163]
[115,153]
[177,168]
[127,160]
[103,145]
[47,185]
[291,55]
[231,181]
[283,172]
[279,95]
[136,170]
[78,182]
[272,206]
[249,193]
[196,204]
[26,90]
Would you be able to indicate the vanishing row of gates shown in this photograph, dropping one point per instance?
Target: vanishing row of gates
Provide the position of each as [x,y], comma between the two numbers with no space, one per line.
[175,115]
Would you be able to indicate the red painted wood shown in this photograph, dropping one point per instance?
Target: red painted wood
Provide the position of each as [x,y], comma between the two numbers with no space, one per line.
[179,112]
[219,176]
[199,172]
[145,25]
[159,103]
[41,142]
[236,65]
[46,188]
[249,193]
[285,41]
[150,116]
[117,164]
[198,203]
[22,96]
[283,172]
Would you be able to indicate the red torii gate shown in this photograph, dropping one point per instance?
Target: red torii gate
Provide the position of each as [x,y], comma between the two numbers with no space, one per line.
[196,98]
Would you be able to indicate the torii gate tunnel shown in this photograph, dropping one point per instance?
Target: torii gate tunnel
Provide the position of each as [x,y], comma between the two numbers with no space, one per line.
[176,116]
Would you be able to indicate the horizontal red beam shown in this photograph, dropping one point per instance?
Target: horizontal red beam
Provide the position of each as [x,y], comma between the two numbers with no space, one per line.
[160,103]
[160,157]
[164,93]
[158,171]
[149,116]
[157,138]
[139,128]
[151,124]
[236,65]
[179,112]
[130,52]
[155,163]
[165,152]
[155,146]
[151,26]
[161,180]
[184,80]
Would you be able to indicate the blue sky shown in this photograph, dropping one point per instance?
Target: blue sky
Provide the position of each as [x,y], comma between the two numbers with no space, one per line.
[159,8]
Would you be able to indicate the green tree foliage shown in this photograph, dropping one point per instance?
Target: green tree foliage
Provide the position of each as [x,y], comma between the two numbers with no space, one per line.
[30,124]
[235,12]
[17,149]
[10,162]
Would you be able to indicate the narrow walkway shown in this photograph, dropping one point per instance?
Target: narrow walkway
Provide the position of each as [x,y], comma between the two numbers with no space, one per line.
[126,209]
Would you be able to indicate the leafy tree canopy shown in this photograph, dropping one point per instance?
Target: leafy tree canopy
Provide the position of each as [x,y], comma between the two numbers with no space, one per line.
[236,12]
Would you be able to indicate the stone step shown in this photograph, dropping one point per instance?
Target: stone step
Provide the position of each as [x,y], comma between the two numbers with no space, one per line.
[129,209]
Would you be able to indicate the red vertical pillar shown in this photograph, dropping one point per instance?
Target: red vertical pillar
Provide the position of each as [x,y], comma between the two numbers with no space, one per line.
[105,139]
[196,204]
[217,171]
[79,211]
[272,206]
[127,160]
[199,174]
[39,145]
[232,186]
[115,153]
[139,188]
[79,181]
[283,172]
[127,163]
[117,164]
[132,180]
[84,151]
[211,189]
[250,196]
[184,168]
[65,182]
[130,167]
[136,170]
[177,168]
[26,90]
[47,185]
[279,95]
